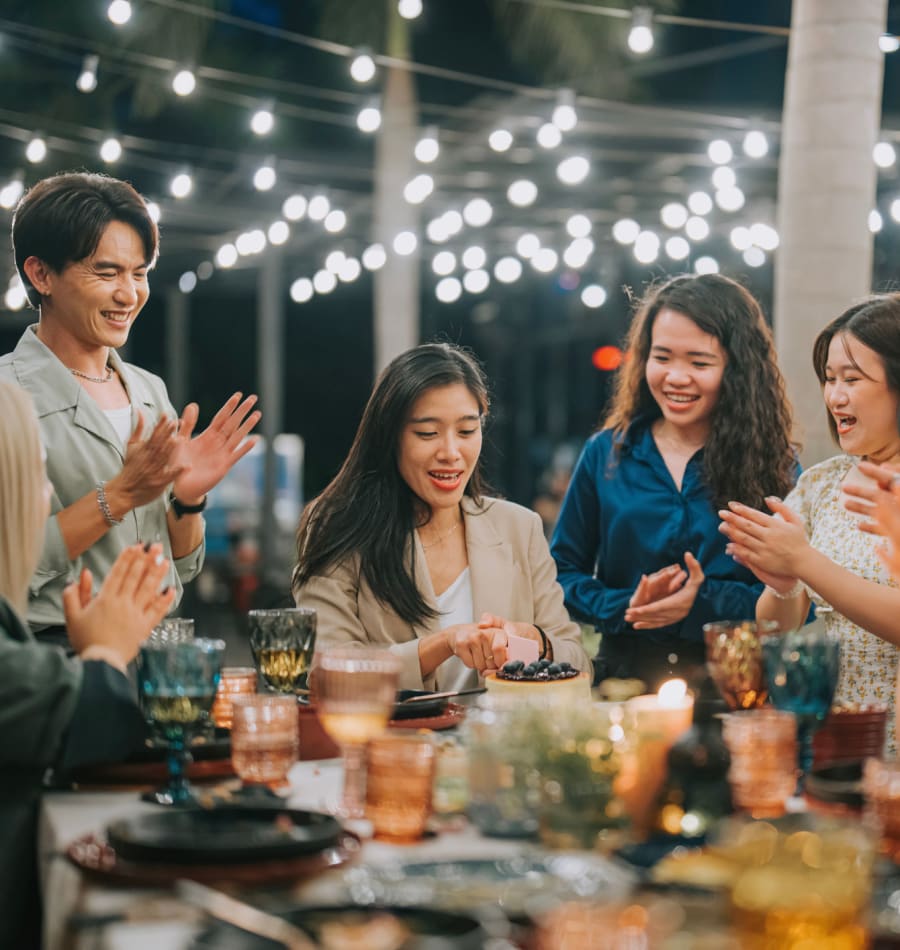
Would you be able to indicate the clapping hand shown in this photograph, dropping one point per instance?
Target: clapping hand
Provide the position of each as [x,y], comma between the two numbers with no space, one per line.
[113,624]
[874,500]
[206,458]
[675,593]
[771,546]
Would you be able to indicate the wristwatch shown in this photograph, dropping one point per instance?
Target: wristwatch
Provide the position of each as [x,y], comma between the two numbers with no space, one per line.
[182,509]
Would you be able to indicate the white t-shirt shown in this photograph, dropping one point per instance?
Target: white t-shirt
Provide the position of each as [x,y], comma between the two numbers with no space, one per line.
[120,420]
[455,605]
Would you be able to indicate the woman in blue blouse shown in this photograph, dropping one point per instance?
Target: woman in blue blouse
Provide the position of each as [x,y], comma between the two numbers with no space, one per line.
[699,417]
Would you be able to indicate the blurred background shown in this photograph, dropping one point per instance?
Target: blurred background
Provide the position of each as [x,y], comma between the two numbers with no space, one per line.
[336,181]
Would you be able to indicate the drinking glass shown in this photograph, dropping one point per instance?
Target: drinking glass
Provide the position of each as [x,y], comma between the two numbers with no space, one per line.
[264,739]
[356,689]
[177,683]
[802,672]
[282,641]
[734,660]
[235,681]
[173,630]
[400,784]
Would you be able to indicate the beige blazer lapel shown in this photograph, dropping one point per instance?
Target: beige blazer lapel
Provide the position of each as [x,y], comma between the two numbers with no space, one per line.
[426,588]
[491,564]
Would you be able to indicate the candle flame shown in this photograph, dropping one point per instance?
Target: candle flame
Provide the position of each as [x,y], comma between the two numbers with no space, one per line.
[671,694]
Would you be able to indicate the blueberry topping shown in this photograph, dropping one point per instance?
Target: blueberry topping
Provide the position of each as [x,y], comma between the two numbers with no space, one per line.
[554,669]
[543,664]
[513,666]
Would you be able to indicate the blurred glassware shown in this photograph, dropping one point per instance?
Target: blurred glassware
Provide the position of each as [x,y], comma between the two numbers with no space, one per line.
[234,681]
[177,683]
[763,748]
[802,669]
[355,690]
[881,789]
[802,881]
[264,739]
[283,641]
[503,777]
[400,784]
[173,630]
[850,733]
[734,660]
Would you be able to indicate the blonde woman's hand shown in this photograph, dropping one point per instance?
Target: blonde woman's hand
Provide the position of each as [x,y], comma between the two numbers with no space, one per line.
[113,624]
[674,607]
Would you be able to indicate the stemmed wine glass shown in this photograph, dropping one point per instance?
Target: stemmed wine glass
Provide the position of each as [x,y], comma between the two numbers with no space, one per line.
[802,672]
[177,682]
[283,641]
[355,692]
[734,660]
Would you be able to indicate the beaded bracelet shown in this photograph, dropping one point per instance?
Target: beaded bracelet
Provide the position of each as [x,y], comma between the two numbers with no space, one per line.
[103,505]
[795,591]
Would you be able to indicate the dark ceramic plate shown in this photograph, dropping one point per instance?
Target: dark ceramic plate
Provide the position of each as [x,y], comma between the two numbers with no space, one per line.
[840,784]
[225,834]
[422,709]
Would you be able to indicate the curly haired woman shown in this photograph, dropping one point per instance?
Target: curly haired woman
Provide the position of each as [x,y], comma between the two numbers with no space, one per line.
[699,417]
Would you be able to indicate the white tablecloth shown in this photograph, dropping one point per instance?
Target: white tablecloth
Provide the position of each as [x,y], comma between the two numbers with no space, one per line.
[66,816]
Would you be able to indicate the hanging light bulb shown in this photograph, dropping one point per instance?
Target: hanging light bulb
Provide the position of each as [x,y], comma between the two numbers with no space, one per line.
[184,82]
[884,154]
[36,150]
[11,192]
[368,118]
[720,152]
[181,185]
[409,9]
[500,140]
[318,208]
[265,176]
[119,12]
[87,78]
[565,118]
[335,221]
[278,232]
[262,121]
[888,43]
[111,150]
[640,36]
[548,135]
[302,290]
[154,211]
[427,148]
[756,145]
[362,66]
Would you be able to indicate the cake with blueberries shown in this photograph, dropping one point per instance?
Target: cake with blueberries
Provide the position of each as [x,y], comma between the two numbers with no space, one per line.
[538,679]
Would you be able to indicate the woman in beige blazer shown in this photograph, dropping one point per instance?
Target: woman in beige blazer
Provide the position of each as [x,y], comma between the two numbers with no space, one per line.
[403,549]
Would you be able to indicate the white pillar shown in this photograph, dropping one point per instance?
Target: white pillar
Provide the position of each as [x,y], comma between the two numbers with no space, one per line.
[826,186]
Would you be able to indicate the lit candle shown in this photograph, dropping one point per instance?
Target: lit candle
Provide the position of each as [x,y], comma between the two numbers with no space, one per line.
[654,723]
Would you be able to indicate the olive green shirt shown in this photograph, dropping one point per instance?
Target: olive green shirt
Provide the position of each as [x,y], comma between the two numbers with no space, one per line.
[83,449]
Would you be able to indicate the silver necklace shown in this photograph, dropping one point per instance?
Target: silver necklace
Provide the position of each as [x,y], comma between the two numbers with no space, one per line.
[94,379]
[442,537]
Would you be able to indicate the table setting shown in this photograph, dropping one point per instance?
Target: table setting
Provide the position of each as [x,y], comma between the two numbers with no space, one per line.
[524,824]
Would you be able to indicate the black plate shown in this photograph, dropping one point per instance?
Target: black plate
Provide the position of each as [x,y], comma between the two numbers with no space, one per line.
[422,709]
[840,784]
[232,834]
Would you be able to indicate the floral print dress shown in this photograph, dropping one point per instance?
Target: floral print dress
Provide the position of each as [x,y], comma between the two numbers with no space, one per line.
[868,671]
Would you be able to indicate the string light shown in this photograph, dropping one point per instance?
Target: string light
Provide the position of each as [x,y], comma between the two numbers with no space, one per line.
[405,243]
[677,248]
[334,261]
[544,260]
[573,170]
[87,78]
[640,36]
[699,202]
[349,270]
[754,257]
[527,245]
[184,82]
[119,12]
[15,296]
[294,207]
[362,67]
[374,257]
[409,9]
[187,282]
[448,290]
[593,296]
[205,270]
[755,144]
[265,176]
[36,150]
[443,263]
[324,282]
[548,135]
[720,152]
[578,226]
[335,221]
[885,154]
[674,215]
[226,256]
[646,247]
[875,222]
[474,257]
[250,242]
[368,119]
[625,231]
[11,192]
[576,255]
[522,193]
[895,210]
[477,212]
[262,121]
[318,207]
[888,43]
[565,118]
[302,290]
[427,148]
[181,185]
[697,229]
[418,189]
[111,150]
[764,236]
[508,270]
[500,140]
[278,232]
[740,238]
[476,281]
[730,199]
[153,210]
[723,177]
[706,265]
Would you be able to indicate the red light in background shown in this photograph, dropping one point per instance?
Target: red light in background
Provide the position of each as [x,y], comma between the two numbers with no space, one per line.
[607,358]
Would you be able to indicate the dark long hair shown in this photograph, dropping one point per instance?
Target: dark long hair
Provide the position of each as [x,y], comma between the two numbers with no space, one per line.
[875,322]
[748,453]
[368,510]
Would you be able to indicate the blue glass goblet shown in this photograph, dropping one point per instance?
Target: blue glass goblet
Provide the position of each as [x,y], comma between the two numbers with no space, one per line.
[802,673]
[177,683]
